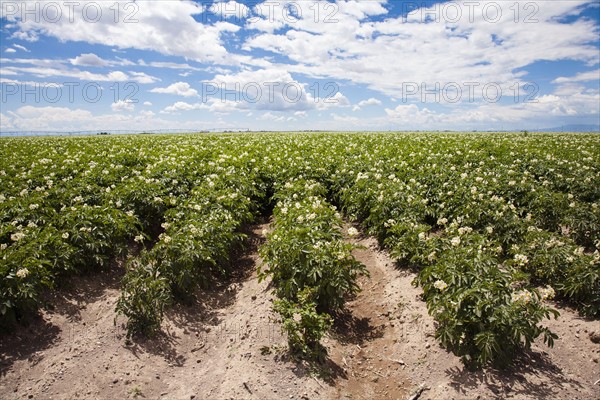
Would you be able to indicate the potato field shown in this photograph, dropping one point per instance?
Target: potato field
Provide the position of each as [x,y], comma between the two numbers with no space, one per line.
[498,230]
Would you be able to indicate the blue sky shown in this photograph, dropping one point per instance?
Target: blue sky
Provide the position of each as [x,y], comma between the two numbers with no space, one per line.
[292,65]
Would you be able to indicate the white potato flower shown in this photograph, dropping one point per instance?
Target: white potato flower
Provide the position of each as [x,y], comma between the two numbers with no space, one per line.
[522,296]
[547,293]
[22,273]
[15,237]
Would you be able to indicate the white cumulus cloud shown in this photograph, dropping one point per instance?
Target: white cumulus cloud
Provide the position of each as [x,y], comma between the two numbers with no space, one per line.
[369,102]
[88,60]
[178,88]
[123,105]
[23,48]
[581,77]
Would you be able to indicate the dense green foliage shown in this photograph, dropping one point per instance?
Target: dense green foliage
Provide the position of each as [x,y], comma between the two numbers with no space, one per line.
[311,266]
[494,223]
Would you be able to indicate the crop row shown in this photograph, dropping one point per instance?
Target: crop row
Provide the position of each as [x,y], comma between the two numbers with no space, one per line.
[310,264]
[198,238]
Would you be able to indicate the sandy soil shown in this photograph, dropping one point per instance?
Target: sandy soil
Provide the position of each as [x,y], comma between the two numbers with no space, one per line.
[226,345]
[405,355]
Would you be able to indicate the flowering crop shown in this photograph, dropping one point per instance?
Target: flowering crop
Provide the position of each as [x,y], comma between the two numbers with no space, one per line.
[312,267]
[487,219]
[428,200]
